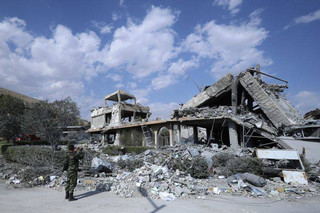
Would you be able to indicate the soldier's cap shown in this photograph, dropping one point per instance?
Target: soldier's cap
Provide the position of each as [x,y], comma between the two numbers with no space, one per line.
[71,147]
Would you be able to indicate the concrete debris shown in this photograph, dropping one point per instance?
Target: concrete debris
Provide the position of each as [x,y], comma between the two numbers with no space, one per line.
[281,158]
[96,162]
[295,177]
[167,196]
[309,149]
[313,115]
[193,152]
[250,178]
[166,174]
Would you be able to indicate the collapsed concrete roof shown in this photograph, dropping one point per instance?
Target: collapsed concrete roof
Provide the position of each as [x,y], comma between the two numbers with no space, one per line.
[215,90]
[275,106]
[267,97]
[119,96]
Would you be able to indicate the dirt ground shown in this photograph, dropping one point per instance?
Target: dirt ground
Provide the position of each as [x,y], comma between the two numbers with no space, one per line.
[43,199]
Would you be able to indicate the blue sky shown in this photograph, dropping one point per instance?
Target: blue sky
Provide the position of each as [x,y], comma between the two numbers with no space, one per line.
[157,49]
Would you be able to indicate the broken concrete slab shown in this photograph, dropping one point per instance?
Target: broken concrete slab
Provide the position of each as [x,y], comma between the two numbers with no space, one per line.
[221,86]
[295,177]
[279,154]
[277,109]
[308,148]
[193,151]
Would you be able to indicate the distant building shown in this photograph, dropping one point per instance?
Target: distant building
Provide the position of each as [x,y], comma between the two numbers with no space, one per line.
[119,112]
[120,109]
[75,134]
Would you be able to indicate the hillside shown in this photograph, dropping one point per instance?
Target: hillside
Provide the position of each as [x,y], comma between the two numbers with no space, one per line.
[25,98]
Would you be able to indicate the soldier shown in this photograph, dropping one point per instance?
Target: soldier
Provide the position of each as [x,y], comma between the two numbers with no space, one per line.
[72,173]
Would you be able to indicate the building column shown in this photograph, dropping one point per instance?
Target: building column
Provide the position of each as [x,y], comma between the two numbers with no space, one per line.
[179,133]
[208,131]
[195,135]
[234,95]
[233,135]
[155,138]
[91,137]
[171,135]
[117,139]
[103,138]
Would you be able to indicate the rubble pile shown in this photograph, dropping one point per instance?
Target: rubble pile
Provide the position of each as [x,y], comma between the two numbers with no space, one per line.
[25,176]
[175,172]
[203,112]
[313,115]
[165,175]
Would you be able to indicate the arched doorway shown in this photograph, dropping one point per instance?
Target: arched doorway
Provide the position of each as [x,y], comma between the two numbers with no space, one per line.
[164,137]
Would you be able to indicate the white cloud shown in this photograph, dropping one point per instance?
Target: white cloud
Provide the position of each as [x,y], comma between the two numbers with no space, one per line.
[232,48]
[231,5]
[162,110]
[48,68]
[103,27]
[13,30]
[121,2]
[163,81]
[61,64]
[179,67]
[120,85]
[143,48]
[115,77]
[306,101]
[305,19]
[132,85]
[115,16]
[176,71]
[141,94]
[58,66]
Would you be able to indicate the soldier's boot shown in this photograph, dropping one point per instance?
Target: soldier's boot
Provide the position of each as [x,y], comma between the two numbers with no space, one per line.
[67,195]
[71,198]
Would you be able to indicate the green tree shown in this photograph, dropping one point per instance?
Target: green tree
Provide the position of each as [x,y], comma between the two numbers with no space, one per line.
[47,120]
[11,112]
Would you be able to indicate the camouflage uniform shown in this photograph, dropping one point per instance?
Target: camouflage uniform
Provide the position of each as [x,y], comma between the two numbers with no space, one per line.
[72,172]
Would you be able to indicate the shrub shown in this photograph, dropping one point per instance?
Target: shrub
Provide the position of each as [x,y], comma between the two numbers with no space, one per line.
[229,164]
[130,164]
[221,159]
[177,163]
[131,138]
[111,150]
[197,167]
[32,143]
[243,164]
[136,149]
[3,148]
[35,156]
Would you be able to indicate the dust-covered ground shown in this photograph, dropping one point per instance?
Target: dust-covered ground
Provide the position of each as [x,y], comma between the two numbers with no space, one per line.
[41,199]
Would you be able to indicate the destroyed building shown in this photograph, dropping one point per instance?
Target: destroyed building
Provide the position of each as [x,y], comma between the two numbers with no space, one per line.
[235,111]
[249,111]
[246,111]
[213,132]
[116,112]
